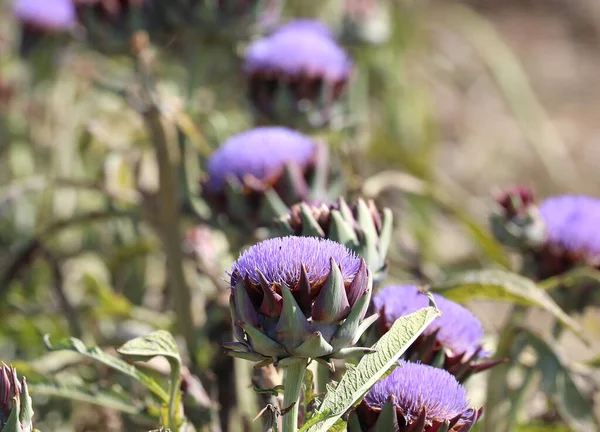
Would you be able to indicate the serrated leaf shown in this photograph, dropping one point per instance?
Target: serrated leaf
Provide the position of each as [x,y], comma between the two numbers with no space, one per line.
[95,353]
[571,278]
[105,398]
[355,383]
[505,286]
[574,407]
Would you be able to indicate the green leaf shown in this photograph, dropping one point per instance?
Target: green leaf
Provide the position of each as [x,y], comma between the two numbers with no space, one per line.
[358,380]
[571,278]
[576,409]
[505,286]
[95,353]
[160,343]
[105,398]
[308,394]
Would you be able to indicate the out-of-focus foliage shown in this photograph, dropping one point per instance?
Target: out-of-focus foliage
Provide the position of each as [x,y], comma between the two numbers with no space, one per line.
[107,240]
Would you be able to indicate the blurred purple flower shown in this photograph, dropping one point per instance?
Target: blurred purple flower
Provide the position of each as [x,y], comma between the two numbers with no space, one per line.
[457,334]
[572,224]
[52,15]
[308,25]
[421,395]
[260,153]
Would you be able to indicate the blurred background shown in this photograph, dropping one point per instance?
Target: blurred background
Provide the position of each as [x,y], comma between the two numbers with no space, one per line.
[449,102]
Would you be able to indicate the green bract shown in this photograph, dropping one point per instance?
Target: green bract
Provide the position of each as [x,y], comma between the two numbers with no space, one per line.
[16,411]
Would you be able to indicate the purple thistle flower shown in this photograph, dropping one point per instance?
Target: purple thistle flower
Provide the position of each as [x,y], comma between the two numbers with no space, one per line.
[421,394]
[297,70]
[260,153]
[315,254]
[572,224]
[52,15]
[298,297]
[299,51]
[457,330]
[457,334]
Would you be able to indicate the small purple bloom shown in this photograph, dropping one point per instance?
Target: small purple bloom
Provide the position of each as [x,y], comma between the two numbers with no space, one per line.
[47,14]
[308,25]
[279,259]
[457,330]
[261,153]
[416,389]
[572,224]
[299,51]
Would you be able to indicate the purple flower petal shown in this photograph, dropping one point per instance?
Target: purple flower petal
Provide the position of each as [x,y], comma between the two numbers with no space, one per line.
[48,14]
[280,259]
[417,387]
[572,223]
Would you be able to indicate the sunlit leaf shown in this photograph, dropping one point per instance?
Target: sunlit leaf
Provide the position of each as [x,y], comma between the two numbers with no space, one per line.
[360,378]
[504,286]
[95,353]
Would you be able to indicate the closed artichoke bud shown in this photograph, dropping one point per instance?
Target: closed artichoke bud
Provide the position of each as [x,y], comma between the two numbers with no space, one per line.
[110,24]
[16,411]
[254,176]
[452,342]
[366,21]
[43,20]
[415,398]
[299,297]
[297,75]
[360,227]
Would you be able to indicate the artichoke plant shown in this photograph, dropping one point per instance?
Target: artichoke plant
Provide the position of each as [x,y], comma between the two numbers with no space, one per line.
[297,75]
[299,297]
[361,227]
[255,175]
[16,411]
[415,398]
[453,341]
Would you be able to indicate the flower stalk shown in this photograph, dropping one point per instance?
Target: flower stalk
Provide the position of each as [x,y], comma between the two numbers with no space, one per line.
[293,376]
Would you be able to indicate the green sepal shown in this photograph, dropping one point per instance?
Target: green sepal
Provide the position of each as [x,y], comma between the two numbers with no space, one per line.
[363,326]
[310,227]
[244,309]
[438,360]
[293,183]
[255,357]
[346,211]
[272,206]
[445,427]
[331,304]
[347,331]
[387,420]
[236,346]
[262,343]
[12,423]
[385,236]
[293,327]
[365,220]
[313,347]
[328,364]
[26,415]
[354,423]
[290,361]
[350,352]
[341,232]
[284,227]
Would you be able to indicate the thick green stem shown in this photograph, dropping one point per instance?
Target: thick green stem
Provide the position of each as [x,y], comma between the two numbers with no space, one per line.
[292,386]
[168,227]
[173,399]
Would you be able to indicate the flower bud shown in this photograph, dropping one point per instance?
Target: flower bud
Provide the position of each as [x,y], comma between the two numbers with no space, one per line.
[299,297]
[297,75]
[416,398]
[453,341]
[15,403]
[361,228]
[254,176]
